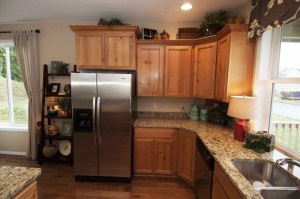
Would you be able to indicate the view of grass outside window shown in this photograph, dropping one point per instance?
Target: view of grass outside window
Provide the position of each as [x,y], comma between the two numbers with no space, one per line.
[285,112]
[13,97]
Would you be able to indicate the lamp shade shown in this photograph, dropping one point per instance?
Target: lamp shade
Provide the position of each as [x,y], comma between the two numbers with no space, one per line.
[242,107]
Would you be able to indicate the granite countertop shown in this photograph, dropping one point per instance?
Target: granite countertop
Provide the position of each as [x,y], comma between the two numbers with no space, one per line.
[15,179]
[220,142]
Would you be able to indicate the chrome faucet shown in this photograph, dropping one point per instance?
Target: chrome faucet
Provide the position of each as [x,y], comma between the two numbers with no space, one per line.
[290,163]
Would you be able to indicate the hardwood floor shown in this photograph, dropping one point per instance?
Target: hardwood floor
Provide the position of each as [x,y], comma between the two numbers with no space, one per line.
[57,182]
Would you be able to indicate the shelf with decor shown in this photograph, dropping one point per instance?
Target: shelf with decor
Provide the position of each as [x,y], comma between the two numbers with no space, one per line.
[56,118]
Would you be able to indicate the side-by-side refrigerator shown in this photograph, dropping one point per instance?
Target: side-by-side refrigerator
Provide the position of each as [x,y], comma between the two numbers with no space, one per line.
[102,121]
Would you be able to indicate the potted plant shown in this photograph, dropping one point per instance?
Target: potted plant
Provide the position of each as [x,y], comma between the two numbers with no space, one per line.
[65,106]
[213,23]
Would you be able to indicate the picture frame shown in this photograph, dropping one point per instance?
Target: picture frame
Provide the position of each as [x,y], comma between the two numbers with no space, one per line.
[66,128]
[53,88]
[54,67]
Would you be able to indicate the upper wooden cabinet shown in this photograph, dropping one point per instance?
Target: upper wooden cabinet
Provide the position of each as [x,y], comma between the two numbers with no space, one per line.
[150,67]
[178,71]
[105,47]
[235,61]
[204,70]
[219,67]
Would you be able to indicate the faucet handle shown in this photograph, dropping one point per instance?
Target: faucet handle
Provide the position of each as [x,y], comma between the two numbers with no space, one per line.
[283,161]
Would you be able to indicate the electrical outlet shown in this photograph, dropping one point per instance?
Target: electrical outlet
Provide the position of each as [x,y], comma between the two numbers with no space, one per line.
[154,105]
[182,108]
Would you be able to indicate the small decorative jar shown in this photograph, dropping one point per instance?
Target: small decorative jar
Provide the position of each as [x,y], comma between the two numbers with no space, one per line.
[164,35]
[52,130]
[204,114]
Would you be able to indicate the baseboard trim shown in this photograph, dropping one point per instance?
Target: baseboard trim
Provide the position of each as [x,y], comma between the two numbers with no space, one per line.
[12,153]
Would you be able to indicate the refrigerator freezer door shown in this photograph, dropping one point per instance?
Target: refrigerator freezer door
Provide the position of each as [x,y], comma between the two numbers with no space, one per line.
[115,124]
[84,90]
[83,87]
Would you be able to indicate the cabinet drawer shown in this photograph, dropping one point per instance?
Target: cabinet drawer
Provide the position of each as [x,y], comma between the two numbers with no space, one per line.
[154,133]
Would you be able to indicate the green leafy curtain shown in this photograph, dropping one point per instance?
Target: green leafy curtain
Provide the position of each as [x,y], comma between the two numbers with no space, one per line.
[267,14]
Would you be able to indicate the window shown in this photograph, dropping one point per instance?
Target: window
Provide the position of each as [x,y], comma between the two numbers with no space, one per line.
[285,82]
[13,97]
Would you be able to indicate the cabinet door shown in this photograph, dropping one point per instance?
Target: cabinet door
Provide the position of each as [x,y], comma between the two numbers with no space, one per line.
[222,186]
[218,191]
[186,155]
[120,51]
[204,70]
[29,192]
[164,156]
[222,68]
[143,155]
[150,70]
[178,80]
[90,51]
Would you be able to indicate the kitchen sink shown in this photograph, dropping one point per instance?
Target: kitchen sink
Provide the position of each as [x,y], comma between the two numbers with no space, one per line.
[280,194]
[264,174]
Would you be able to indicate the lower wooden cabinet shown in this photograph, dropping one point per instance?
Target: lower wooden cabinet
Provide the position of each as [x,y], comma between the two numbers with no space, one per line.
[165,151]
[222,186]
[29,192]
[143,155]
[186,155]
[218,191]
[155,151]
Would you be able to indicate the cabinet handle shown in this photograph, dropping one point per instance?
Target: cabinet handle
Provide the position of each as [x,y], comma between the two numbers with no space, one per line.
[94,120]
[98,119]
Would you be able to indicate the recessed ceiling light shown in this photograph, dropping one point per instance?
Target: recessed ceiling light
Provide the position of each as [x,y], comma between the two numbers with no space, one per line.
[186,6]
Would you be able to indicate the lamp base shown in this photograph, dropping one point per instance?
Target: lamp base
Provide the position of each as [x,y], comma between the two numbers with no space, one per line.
[240,130]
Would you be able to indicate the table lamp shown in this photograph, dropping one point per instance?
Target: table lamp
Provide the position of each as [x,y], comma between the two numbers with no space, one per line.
[241,107]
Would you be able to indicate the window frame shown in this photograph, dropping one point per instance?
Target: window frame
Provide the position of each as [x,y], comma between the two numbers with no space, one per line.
[275,79]
[264,77]
[11,126]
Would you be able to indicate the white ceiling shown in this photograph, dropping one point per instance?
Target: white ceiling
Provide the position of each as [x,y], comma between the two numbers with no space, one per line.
[150,11]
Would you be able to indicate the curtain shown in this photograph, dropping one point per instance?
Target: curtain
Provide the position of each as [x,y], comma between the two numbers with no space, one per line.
[26,46]
[268,14]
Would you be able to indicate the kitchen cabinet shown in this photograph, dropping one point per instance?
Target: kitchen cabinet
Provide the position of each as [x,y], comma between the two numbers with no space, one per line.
[235,61]
[178,71]
[218,190]
[204,70]
[150,67]
[105,47]
[29,192]
[155,151]
[186,155]
[222,186]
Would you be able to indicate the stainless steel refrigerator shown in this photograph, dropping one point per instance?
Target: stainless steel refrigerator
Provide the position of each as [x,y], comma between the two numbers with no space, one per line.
[103,106]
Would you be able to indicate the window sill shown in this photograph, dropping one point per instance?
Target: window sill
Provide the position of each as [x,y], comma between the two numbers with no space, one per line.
[286,152]
[13,129]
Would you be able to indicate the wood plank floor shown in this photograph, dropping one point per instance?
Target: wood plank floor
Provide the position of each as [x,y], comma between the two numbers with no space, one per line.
[57,181]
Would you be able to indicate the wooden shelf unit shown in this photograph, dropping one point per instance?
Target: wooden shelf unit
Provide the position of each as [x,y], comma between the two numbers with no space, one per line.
[47,120]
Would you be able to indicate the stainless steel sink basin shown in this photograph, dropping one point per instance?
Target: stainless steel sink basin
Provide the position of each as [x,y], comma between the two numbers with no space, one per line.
[264,174]
[280,194]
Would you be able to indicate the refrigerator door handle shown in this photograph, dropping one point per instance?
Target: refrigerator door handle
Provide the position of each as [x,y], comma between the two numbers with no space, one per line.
[94,120]
[98,119]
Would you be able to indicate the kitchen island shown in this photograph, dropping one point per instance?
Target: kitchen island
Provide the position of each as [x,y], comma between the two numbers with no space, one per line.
[221,144]
[14,180]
